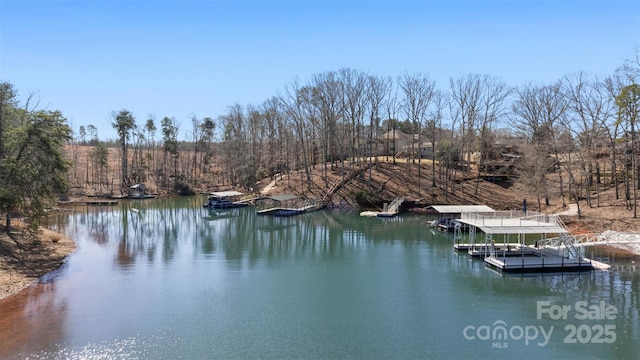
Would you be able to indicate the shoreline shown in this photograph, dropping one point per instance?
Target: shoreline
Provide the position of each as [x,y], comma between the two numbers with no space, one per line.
[23,265]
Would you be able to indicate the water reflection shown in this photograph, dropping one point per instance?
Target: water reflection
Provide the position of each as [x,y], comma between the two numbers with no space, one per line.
[146,230]
[168,278]
[32,316]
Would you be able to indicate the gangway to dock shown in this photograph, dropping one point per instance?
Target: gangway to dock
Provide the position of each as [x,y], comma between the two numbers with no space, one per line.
[607,238]
[390,210]
[393,208]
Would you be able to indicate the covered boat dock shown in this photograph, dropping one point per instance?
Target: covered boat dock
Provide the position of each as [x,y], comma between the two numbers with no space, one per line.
[456,211]
[517,242]
[225,200]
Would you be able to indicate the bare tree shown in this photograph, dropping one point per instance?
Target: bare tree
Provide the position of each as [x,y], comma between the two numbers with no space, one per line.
[610,122]
[354,87]
[466,97]
[476,103]
[379,89]
[590,108]
[434,129]
[327,99]
[419,92]
[491,109]
[272,113]
[296,105]
[536,111]
[393,107]
[628,102]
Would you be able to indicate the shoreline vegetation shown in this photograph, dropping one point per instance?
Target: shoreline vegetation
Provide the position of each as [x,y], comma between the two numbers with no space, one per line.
[24,260]
[348,138]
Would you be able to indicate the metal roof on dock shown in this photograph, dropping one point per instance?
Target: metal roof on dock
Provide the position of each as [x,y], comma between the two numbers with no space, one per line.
[459,209]
[226,193]
[514,222]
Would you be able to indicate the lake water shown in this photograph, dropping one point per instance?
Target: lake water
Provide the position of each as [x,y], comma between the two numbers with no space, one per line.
[168,279]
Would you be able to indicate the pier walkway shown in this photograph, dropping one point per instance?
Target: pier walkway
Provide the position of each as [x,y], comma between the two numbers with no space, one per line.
[393,208]
[390,210]
[607,238]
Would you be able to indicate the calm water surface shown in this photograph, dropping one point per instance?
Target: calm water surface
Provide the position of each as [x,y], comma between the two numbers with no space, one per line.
[168,279]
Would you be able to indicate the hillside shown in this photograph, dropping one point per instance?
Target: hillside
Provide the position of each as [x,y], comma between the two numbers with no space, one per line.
[371,189]
[390,180]
[387,181]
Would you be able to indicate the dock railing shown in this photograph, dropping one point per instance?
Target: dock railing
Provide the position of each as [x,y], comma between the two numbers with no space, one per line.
[512,217]
[594,239]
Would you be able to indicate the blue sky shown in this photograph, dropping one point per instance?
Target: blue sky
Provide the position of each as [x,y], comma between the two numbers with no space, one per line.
[173,58]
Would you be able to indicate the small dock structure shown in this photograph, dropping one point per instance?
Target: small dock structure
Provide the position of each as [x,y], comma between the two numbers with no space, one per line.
[286,205]
[101,202]
[225,200]
[389,210]
[138,192]
[519,242]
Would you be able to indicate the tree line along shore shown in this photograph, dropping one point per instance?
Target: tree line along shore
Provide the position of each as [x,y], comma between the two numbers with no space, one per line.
[572,141]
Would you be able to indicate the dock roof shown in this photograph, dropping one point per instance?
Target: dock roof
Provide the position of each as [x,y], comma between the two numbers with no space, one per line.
[226,193]
[459,209]
[513,222]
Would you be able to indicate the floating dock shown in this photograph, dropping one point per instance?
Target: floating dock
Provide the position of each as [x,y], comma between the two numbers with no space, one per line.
[545,263]
[283,211]
[556,254]
[287,205]
[101,202]
[504,250]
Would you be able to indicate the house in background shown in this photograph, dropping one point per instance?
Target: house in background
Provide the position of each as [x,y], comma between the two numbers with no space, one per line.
[393,142]
[424,151]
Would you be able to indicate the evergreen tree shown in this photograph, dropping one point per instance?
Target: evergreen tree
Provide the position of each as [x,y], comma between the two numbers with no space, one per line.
[32,163]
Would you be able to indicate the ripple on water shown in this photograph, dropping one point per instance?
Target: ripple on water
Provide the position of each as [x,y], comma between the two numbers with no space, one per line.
[132,348]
